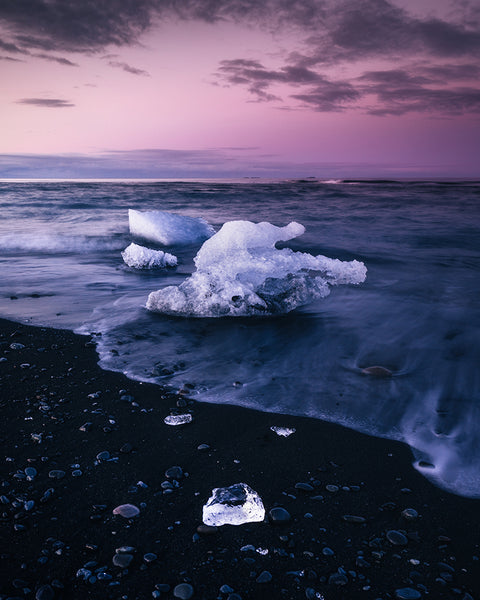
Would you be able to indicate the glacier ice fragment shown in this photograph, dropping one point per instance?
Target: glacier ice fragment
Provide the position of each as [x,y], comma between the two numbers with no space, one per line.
[168,228]
[139,257]
[240,272]
[233,505]
[283,431]
[178,419]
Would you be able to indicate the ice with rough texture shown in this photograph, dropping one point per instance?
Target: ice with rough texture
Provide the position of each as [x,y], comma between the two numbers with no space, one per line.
[283,431]
[168,228]
[139,257]
[240,272]
[233,505]
[178,419]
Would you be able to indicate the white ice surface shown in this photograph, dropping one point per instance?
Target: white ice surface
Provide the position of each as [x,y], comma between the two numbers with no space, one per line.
[168,228]
[140,257]
[240,273]
[233,505]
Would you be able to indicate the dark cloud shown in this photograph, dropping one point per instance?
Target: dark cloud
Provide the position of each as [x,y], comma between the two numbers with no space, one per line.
[8,47]
[46,102]
[57,59]
[128,68]
[9,58]
[330,96]
[398,92]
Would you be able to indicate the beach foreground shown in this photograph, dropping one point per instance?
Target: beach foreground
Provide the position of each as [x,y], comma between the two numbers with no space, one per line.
[96,440]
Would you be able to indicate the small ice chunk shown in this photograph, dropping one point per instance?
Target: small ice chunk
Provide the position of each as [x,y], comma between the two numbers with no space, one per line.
[168,228]
[240,272]
[178,419]
[283,431]
[140,257]
[233,505]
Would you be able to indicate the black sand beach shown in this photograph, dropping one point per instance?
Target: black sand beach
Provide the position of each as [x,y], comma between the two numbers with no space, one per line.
[97,440]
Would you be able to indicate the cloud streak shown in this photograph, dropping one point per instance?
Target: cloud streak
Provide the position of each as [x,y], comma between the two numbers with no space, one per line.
[128,69]
[46,102]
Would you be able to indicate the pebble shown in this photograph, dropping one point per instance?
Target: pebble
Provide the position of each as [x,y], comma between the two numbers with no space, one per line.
[184,591]
[353,519]
[56,474]
[396,538]
[105,455]
[16,346]
[407,594]
[122,560]
[226,589]
[45,592]
[126,510]
[279,515]
[174,473]
[203,447]
[304,487]
[410,514]
[150,557]
[332,488]
[338,579]
[264,577]
[31,473]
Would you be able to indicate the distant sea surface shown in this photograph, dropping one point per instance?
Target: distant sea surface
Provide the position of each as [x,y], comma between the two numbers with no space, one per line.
[417,313]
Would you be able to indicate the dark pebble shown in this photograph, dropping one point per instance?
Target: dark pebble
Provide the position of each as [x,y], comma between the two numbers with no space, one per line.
[56,474]
[396,538]
[207,529]
[184,591]
[353,519]
[45,592]
[105,455]
[174,473]
[338,579]
[304,487]
[122,560]
[407,594]
[279,515]
[264,577]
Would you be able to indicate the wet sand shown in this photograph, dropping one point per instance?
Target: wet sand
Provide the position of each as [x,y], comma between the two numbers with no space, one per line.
[61,414]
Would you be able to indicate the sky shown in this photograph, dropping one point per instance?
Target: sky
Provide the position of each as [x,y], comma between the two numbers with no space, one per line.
[239,88]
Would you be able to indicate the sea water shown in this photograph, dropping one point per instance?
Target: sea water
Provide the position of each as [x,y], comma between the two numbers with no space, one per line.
[417,313]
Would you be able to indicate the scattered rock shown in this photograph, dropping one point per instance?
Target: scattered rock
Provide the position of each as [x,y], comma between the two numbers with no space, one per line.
[279,515]
[183,591]
[128,511]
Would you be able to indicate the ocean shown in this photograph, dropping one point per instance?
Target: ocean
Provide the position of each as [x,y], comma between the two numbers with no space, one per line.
[417,312]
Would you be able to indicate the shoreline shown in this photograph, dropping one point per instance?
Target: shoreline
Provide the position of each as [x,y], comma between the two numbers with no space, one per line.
[52,387]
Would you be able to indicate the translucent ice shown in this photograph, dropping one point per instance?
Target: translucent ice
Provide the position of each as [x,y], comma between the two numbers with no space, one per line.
[283,431]
[233,505]
[178,419]
[140,257]
[168,228]
[240,272]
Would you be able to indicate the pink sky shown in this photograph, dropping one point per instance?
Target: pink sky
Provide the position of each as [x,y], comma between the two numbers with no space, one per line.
[275,88]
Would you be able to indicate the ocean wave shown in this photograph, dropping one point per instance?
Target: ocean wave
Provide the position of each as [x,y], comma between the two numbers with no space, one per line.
[58,243]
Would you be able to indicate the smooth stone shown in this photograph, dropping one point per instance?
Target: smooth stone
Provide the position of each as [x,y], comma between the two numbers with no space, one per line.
[45,592]
[105,455]
[338,579]
[409,514]
[407,594]
[396,538]
[126,448]
[30,472]
[122,560]
[126,510]
[377,371]
[332,488]
[353,519]
[234,597]
[56,474]
[305,487]
[327,551]
[16,346]
[279,515]
[178,419]
[264,577]
[226,589]
[174,473]
[150,557]
[184,591]
[203,447]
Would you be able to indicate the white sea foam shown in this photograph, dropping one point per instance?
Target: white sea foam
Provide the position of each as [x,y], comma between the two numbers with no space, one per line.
[168,228]
[139,257]
[240,272]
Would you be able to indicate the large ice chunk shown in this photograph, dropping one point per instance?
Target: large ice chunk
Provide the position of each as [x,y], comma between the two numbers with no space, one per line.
[240,272]
[168,228]
[140,257]
[233,505]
